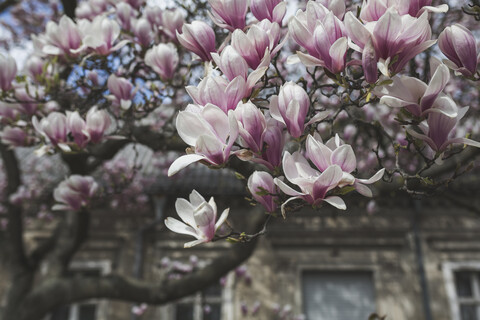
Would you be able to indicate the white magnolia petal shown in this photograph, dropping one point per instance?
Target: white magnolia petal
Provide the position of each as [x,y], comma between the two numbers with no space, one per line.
[185,211]
[337,202]
[377,176]
[183,162]
[222,218]
[179,227]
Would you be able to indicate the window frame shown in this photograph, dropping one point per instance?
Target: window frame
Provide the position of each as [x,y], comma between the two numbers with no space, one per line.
[449,270]
[226,301]
[341,267]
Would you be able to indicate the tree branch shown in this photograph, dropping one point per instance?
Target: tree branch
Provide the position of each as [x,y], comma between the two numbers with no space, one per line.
[63,291]
[7,4]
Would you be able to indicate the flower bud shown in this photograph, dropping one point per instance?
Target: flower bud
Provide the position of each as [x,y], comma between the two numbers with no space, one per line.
[199,38]
[262,187]
[458,44]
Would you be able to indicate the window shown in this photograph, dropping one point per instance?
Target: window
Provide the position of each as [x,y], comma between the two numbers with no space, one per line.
[205,305]
[338,295]
[89,310]
[463,289]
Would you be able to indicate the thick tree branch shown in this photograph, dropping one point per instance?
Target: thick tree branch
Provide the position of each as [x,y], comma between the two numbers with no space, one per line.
[118,287]
[72,234]
[15,223]
[69,7]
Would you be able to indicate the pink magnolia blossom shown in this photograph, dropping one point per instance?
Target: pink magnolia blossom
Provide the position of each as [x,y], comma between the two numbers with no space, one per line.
[126,15]
[163,59]
[76,126]
[97,123]
[373,10]
[290,107]
[8,112]
[28,99]
[210,131]
[54,129]
[458,44]
[253,45]
[74,193]
[199,219]
[14,136]
[90,9]
[172,22]
[314,185]
[143,32]
[275,141]
[259,183]
[154,15]
[122,91]
[395,39]
[417,97]
[233,65]
[338,7]
[272,10]
[64,38]
[229,14]
[100,35]
[199,38]
[335,152]
[438,131]
[329,46]
[252,126]
[219,91]
[34,67]
[8,71]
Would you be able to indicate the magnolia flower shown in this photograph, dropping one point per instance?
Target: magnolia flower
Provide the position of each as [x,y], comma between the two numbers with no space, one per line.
[34,67]
[313,184]
[395,39]
[458,44]
[100,35]
[64,38]
[439,129]
[335,152]
[252,126]
[8,71]
[272,10]
[74,193]
[229,14]
[76,126]
[122,91]
[290,107]
[253,45]
[262,187]
[329,46]
[14,136]
[97,122]
[417,97]
[210,131]
[218,91]
[126,15]
[198,218]
[143,32]
[199,38]
[373,10]
[54,129]
[233,65]
[163,59]
[172,22]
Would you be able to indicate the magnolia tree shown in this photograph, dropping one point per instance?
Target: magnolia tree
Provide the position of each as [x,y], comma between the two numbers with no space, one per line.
[305,106]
